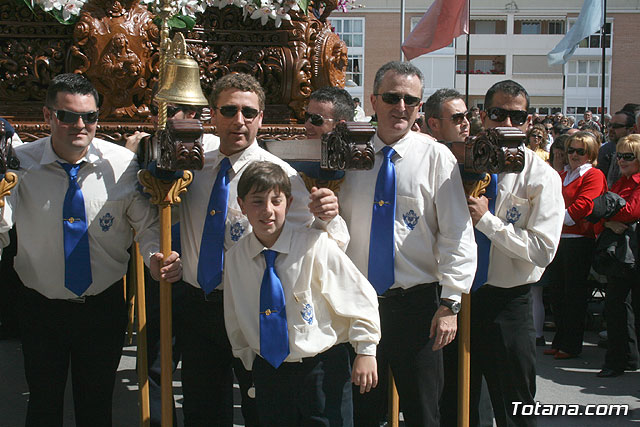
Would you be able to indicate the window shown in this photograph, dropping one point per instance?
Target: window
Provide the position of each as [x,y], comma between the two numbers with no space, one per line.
[351,31]
[584,73]
[593,41]
[481,64]
[354,69]
[556,27]
[530,28]
[485,27]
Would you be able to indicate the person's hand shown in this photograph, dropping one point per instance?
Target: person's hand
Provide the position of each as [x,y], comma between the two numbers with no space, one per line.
[169,269]
[616,226]
[478,206]
[324,203]
[443,326]
[133,141]
[365,372]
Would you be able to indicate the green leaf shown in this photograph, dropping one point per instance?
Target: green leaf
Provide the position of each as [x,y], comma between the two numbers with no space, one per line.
[304,5]
[189,21]
[28,3]
[176,22]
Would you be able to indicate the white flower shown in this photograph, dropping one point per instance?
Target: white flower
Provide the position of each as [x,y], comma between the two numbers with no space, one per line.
[264,13]
[291,5]
[248,9]
[190,7]
[281,15]
[71,9]
[48,5]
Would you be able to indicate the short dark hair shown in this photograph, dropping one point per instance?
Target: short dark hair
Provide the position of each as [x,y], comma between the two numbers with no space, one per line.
[240,81]
[508,87]
[630,107]
[343,106]
[433,105]
[401,68]
[630,119]
[72,83]
[263,176]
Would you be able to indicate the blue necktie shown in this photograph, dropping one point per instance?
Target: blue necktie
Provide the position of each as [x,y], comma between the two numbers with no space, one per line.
[77,260]
[211,258]
[381,243]
[274,336]
[484,244]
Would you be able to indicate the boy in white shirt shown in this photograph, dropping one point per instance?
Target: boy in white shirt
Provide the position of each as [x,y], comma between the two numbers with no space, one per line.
[299,313]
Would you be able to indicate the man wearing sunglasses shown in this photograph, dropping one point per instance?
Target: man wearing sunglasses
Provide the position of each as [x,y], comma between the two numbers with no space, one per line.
[410,232]
[327,106]
[211,222]
[523,229]
[446,115]
[621,124]
[75,207]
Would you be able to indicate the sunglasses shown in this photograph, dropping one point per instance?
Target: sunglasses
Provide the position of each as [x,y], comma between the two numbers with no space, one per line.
[316,119]
[229,111]
[629,157]
[394,98]
[457,118]
[497,114]
[618,126]
[70,117]
[580,151]
[536,136]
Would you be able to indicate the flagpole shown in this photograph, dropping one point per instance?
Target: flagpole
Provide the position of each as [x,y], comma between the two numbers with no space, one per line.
[603,39]
[467,58]
[402,5]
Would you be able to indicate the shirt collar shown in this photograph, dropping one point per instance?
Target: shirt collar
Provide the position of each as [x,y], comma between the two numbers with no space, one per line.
[635,177]
[282,245]
[401,146]
[241,158]
[49,156]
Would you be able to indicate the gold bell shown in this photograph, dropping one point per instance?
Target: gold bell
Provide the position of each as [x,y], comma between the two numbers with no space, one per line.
[181,83]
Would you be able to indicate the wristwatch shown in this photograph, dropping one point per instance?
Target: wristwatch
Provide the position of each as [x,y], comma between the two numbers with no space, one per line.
[454,306]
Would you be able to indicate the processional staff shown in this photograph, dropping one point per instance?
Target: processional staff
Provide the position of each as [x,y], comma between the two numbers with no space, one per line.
[168,157]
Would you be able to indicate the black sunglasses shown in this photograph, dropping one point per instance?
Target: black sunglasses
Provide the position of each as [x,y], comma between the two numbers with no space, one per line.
[629,157]
[71,117]
[231,110]
[393,98]
[618,125]
[536,136]
[497,114]
[580,151]
[316,119]
[457,118]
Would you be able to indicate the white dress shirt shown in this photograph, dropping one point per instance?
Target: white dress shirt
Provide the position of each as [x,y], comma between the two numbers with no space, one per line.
[525,231]
[433,233]
[113,205]
[328,301]
[195,202]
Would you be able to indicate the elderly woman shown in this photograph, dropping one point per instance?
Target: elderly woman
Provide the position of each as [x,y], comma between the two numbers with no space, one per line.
[622,351]
[537,139]
[581,183]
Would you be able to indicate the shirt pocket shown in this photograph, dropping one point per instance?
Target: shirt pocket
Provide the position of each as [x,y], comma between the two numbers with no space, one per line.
[303,313]
[409,218]
[107,218]
[515,210]
[237,226]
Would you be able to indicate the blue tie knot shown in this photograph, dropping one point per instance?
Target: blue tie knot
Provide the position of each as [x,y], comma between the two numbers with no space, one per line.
[225,165]
[270,257]
[388,152]
[71,170]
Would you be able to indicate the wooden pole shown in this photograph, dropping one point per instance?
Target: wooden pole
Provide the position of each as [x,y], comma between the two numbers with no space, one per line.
[394,402]
[166,365]
[464,361]
[143,372]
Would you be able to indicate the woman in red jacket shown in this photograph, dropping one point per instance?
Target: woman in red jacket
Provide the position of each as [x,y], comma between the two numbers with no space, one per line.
[581,183]
[622,350]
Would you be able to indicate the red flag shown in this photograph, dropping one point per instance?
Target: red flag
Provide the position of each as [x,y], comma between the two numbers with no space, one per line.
[444,21]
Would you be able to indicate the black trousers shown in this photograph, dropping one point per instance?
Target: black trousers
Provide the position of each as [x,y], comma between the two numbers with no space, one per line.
[622,311]
[570,292]
[503,350]
[208,365]
[152,300]
[314,392]
[88,337]
[406,347]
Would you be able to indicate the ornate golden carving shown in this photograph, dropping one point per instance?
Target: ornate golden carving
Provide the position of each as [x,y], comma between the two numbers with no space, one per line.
[164,192]
[10,180]
[310,182]
[476,188]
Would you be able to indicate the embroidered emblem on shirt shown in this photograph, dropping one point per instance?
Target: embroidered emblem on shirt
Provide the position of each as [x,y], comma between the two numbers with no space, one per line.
[307,313]
[410,219]
[106,221]
[513,215]
[237,230]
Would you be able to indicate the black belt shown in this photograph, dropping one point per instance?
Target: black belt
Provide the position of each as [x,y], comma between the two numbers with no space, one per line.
[214,295]
[395,292]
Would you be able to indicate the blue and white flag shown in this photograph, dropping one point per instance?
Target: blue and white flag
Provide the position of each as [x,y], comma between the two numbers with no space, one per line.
[589,21]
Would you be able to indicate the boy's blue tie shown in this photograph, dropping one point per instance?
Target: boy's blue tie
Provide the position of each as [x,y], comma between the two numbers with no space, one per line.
[77,259]
[211,259]
[484,244]
[274,336]
[381,243]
